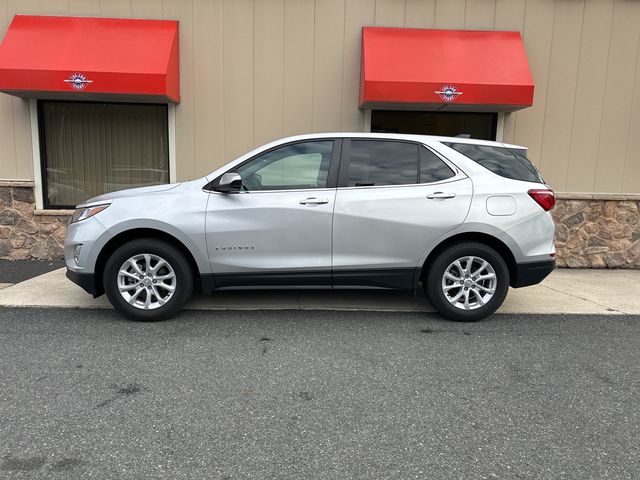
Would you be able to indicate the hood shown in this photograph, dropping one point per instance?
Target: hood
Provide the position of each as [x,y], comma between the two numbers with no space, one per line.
[130,192]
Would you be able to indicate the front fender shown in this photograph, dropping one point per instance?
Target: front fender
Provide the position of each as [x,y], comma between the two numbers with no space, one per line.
[197,248]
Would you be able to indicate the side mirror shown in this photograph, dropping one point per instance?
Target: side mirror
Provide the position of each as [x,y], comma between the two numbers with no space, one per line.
[229,182]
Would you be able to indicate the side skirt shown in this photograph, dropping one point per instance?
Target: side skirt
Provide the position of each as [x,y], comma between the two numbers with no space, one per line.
[393,278]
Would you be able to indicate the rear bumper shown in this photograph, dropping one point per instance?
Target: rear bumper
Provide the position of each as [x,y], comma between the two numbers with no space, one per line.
[532,273]
[85,280]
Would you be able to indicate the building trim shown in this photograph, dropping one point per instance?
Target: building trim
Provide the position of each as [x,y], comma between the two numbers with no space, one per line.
[53,213]
[171,122]
[367,120]
[621,197]
[500,127]
[35,153]
[16,183]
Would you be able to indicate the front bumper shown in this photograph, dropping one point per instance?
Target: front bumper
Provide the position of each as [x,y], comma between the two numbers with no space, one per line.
[85,280]
[532,273]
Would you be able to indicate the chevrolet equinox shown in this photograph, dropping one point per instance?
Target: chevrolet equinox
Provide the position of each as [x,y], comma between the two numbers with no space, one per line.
[464,218]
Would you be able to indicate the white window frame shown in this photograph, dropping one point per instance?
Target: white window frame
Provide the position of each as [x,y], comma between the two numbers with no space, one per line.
[35,148]
[500,127]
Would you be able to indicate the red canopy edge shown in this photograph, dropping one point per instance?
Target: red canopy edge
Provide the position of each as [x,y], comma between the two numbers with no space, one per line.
[460,70]
[86,58]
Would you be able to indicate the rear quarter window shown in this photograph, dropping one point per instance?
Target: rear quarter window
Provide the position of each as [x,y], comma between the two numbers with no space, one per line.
[506,162]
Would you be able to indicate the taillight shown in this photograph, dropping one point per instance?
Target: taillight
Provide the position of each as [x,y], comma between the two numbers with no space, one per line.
[545,198]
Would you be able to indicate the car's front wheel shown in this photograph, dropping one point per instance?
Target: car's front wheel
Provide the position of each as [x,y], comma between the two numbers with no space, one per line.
[148,279]
[467,282]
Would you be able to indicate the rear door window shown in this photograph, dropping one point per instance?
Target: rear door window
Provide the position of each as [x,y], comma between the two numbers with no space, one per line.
[503,161]
[373,163]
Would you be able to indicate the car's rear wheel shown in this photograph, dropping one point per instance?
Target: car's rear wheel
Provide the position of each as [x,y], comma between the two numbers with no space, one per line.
[467,282]
[148,279]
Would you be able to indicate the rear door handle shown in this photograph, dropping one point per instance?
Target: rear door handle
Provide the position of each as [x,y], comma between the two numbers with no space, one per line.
[441,195]
[313,201]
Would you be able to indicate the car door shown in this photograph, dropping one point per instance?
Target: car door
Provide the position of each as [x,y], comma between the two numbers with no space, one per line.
[277,230]
[394,199]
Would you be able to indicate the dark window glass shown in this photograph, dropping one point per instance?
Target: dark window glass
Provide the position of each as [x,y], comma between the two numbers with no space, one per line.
[432,168]
[508,163]
[294,166]
[94,148]
[448,124]
[374,162]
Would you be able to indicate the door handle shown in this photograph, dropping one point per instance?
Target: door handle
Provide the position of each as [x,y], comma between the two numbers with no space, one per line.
[313,201]
[440,195]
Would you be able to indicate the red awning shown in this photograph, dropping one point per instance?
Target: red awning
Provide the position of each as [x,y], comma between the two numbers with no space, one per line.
[444,69]
[91,59]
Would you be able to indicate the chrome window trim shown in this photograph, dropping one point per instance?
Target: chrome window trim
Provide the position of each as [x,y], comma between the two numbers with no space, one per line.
[253,192]
[455,178]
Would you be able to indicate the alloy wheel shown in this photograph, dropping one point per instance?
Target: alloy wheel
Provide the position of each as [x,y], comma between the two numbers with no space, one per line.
[146,281]
[469,282]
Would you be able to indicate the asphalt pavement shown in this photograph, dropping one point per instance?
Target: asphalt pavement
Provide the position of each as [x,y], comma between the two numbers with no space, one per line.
[317,394]
[15,271]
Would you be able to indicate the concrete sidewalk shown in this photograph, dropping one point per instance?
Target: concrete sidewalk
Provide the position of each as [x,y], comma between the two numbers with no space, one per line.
[564,291]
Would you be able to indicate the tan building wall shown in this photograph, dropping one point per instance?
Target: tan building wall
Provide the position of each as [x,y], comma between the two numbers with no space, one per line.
[252,71]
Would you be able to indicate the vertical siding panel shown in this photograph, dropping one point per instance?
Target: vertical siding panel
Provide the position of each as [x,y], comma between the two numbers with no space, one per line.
[590,90]
[21,119]
[509,16]
[146,9]
[268,70]
[389,13]
[420,13]
[450,14]
[183,12]
[117,8]
[27,7]
[5,18]
[8,162]
[358,13]
[617,98]
[23,147]
[298,65]
[537,35]
[480,14]
[563,71]
[327,67]
[238,77]
[84,8]
[208,86]
[53,7]
[631,176]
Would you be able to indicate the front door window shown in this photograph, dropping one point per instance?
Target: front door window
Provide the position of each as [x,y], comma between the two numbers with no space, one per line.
[291,167]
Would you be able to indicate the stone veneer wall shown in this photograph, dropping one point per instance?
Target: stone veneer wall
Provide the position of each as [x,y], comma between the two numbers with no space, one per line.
[597,231]
[592,231]
[25,234]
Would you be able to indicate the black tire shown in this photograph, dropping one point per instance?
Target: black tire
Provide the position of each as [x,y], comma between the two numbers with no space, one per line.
[433,282]
[177,262]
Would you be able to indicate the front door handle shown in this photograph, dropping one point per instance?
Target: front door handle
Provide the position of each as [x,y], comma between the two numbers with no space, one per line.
[313,201]
[440,195]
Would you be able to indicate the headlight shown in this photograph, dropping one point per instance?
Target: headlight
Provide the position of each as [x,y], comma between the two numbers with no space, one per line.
[87,212]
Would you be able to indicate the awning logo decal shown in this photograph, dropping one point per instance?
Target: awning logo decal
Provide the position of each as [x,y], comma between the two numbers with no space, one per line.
[448,93]
[78,81]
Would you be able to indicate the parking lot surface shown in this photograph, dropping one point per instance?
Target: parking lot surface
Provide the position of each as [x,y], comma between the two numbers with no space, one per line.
[317,394]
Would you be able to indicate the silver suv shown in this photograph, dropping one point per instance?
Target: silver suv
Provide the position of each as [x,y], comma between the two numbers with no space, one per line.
[465,218]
